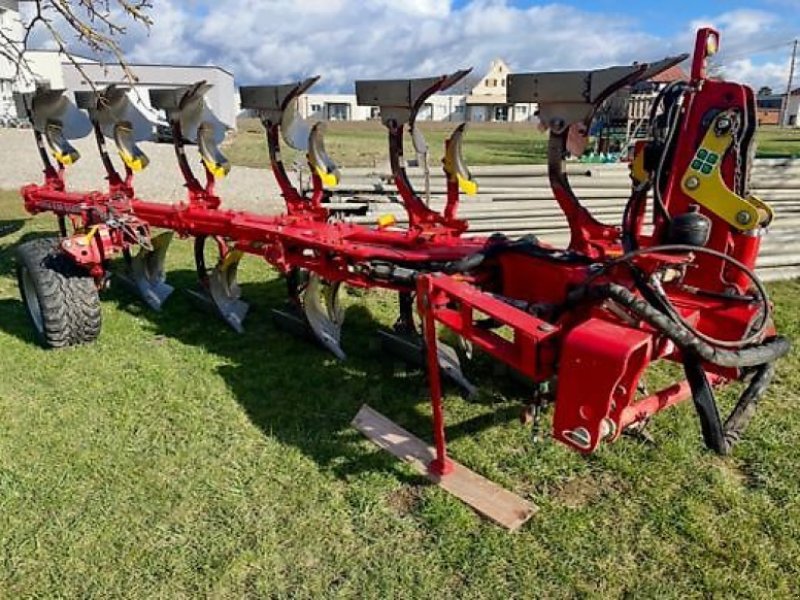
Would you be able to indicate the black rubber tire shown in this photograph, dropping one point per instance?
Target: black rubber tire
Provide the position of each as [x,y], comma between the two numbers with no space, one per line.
[61,300]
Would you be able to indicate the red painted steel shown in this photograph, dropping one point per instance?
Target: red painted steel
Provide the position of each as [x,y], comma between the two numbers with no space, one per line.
[595,353]
[597,357]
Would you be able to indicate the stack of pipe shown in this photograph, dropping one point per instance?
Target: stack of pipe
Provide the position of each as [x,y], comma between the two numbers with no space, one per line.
[517,200]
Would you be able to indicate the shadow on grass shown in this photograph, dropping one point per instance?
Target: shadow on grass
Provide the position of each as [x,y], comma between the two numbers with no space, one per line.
[290,388]
[14,321]
[7,252]
[9,227]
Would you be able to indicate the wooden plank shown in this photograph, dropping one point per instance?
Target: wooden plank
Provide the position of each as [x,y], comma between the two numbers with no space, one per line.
[487,498]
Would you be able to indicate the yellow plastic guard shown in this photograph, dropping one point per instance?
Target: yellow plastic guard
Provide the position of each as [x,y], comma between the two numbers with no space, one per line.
[128,151]
[212,156]
[703,180]
[468,186]
[386,221]
[64,152]
[328,179]
[455,167]
[67,158]
[217,169]
[319,160]
[136,163]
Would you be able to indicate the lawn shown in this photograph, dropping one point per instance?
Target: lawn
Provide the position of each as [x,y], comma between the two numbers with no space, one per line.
[175,458]
[365,144]
[773,140]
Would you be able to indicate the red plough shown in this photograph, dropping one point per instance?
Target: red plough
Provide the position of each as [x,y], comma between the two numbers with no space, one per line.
[679,288]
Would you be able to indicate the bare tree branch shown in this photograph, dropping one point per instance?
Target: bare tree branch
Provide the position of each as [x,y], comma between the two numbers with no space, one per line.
[97,25]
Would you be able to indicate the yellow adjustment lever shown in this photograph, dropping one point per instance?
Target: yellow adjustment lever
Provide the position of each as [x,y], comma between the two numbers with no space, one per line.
[90,235]
[703,180]
[231,258]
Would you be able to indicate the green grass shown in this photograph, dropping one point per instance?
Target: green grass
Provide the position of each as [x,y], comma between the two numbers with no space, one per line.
[364,144]
[175,458]
[773,140]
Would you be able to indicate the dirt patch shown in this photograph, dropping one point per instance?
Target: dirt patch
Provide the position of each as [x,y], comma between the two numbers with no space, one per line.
[741,474]
[584,490]
[406,499]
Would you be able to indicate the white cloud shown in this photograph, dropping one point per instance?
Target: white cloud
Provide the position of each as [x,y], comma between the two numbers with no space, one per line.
[755,45]
[345,40]
[770,74]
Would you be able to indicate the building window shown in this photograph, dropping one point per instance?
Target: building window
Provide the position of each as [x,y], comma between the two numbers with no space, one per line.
[501,113]
[426,112]
[522,110]
[338,111]
[503,82]
[375,112]
[315,108]
[459,108]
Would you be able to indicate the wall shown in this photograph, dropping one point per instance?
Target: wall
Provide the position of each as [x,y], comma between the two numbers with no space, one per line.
[45,68]
[221,98]
[321,106]
[494,82]
[12,27]
[793,110]
[439,107]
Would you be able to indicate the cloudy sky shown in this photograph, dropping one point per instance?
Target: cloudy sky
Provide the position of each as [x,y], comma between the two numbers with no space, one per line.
[343,40]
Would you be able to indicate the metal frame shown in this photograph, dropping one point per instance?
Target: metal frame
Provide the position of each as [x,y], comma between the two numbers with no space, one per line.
[598,311]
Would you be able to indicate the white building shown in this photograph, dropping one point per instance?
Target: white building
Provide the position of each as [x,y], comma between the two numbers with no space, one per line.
[791,115]
[12,30]
[485,102]
[343,107]
[221,98]
[54,70]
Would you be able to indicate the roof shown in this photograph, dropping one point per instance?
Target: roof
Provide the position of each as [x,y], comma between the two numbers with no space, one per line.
[674,73]
[151,65]
[78,57]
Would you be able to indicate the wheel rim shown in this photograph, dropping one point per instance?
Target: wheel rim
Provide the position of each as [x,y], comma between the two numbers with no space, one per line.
[32,300]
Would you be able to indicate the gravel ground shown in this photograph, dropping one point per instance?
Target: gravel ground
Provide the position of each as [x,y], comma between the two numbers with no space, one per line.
[245,188]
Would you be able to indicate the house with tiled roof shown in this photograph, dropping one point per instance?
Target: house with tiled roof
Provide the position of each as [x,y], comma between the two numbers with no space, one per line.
[487,101]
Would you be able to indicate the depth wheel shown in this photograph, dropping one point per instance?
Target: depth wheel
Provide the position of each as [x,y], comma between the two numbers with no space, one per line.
[61,300]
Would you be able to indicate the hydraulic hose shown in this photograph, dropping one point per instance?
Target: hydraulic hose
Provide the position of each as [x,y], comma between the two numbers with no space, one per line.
[718,437]
[688,341]
[754,335]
